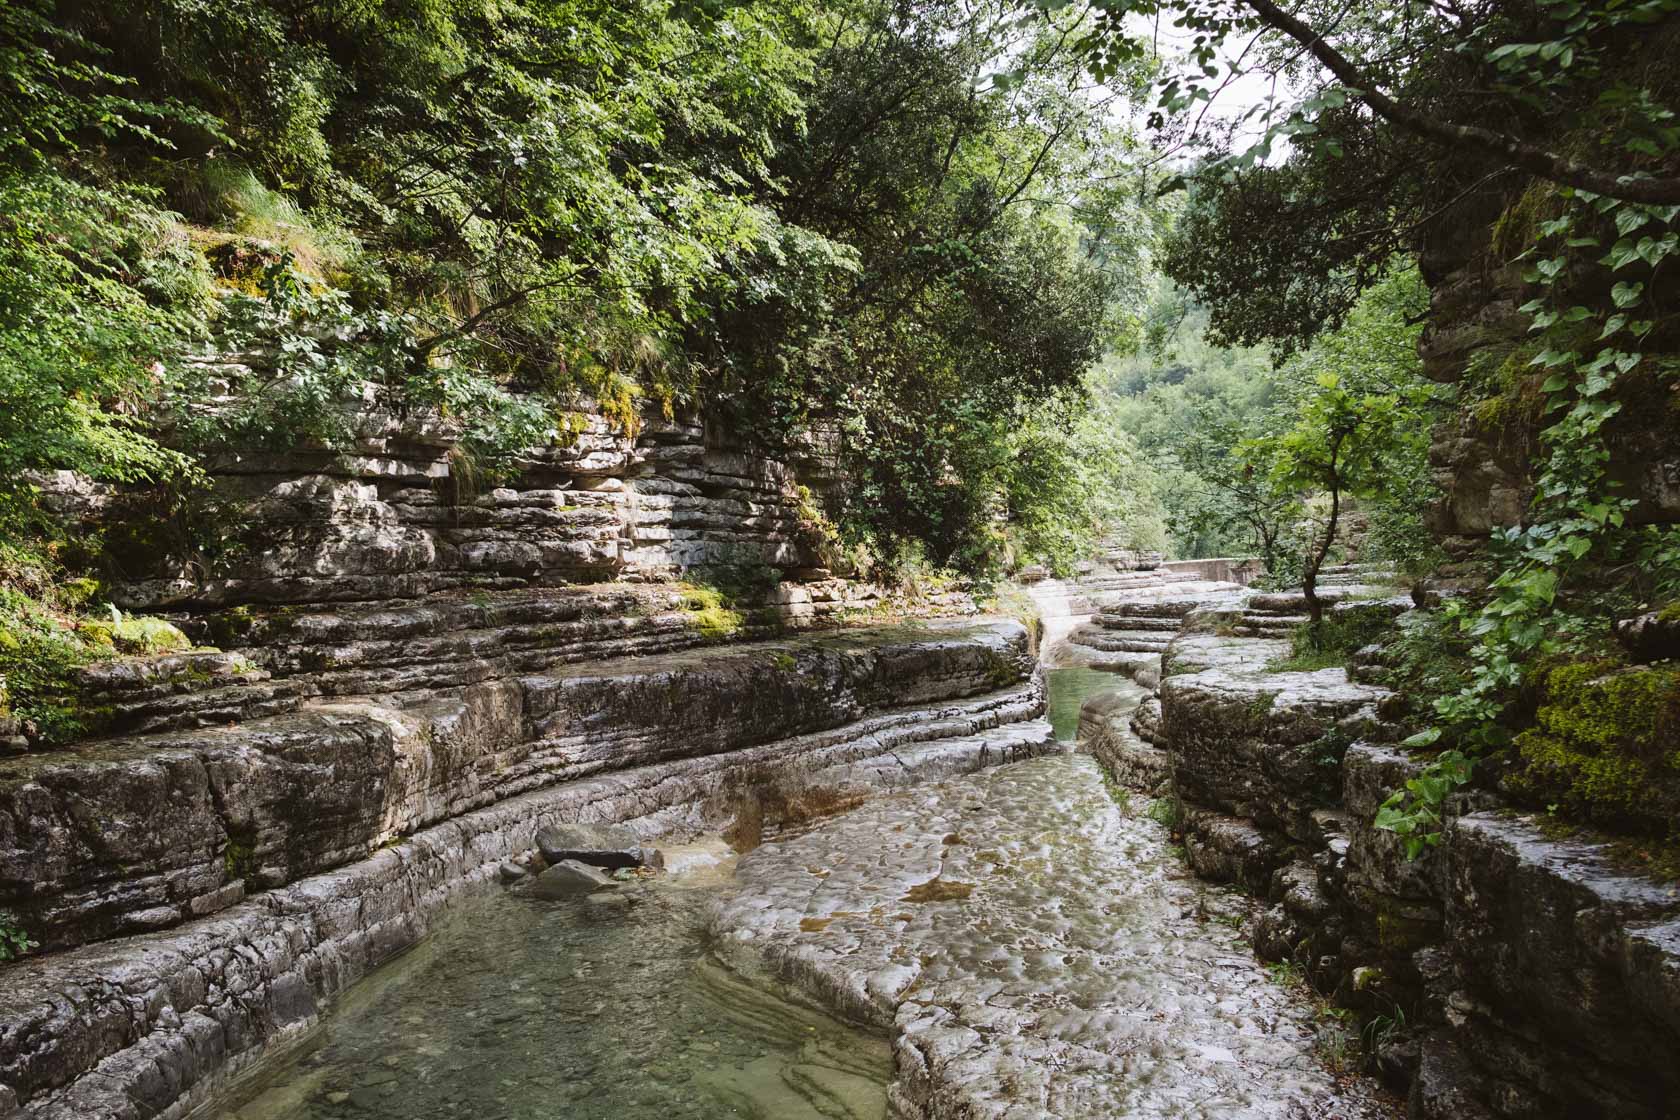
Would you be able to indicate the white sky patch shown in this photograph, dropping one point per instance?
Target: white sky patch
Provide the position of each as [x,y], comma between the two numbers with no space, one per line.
[1235,97]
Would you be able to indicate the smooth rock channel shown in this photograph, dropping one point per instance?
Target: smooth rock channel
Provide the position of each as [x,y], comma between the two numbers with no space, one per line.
[1039,952]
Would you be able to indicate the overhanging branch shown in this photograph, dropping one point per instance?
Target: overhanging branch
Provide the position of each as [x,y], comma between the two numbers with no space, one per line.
[1529,157]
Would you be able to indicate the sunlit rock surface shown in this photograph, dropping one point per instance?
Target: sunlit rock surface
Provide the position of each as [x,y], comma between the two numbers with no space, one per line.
[1038,951]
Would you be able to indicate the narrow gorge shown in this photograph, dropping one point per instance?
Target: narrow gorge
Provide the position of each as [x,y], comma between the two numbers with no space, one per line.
[839,560]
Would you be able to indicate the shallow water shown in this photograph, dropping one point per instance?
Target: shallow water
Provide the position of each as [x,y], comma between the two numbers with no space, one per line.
[517,1008]
[1043,953]
[1068,689]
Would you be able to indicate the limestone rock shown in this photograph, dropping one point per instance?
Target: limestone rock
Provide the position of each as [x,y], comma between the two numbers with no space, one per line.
[597,845]
[926,913]
[1266,746]
[1651,636]
[1568,966]
[568,878]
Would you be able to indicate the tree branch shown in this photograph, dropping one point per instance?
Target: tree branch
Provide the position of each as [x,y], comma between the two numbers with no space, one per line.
[1529,157]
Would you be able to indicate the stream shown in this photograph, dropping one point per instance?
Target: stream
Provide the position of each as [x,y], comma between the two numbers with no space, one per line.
[520,1008]
[614,1007]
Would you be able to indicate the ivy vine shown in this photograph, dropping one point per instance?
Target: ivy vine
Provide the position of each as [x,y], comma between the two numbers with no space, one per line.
[1579,518]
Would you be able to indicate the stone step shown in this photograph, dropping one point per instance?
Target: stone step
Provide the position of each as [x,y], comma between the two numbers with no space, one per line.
[1111,641]
[1144,623]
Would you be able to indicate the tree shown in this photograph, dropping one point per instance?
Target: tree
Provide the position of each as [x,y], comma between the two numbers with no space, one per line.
[1338,445]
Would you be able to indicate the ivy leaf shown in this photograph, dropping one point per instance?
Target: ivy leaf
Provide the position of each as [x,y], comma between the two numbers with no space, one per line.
[1621,254]
[1625,294]
[1630,218]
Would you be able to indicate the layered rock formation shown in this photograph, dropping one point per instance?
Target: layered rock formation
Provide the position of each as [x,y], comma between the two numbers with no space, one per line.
[398,681]
[1483,453]
[298,851]
[1036,953]
[1506,973]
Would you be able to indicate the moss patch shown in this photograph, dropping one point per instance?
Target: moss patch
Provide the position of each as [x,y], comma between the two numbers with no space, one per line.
[708,612]
[938,890]
[1606,745]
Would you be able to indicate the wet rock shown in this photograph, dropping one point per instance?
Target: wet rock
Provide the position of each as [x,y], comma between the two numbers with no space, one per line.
[1445,1088]
[99,841]
[1010,999]
[1261,745]
[569,878]
[594,844]
[608,904]
[1146,720]
[510,872]
[1226,849]
[1568,968]
[1651,636]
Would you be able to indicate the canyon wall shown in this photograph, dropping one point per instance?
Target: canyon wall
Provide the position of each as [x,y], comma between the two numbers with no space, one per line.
[399,676]
[1517,970]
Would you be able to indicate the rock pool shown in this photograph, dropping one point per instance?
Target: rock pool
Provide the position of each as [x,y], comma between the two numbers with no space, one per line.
[1032,945]
[605,1008]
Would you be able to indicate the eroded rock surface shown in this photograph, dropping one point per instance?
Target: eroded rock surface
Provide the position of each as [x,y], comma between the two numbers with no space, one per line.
[143,832]
[1038,952]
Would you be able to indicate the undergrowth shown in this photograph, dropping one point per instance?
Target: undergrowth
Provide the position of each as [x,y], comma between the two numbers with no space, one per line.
[52,625]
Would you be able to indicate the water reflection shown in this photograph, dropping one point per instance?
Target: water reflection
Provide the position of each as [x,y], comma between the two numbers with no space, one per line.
[602,1008]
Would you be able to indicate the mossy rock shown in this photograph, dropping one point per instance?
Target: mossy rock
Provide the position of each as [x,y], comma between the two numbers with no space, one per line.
[1606,745]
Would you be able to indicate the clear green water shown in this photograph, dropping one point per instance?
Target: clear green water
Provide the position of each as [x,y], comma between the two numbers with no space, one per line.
[1069,688]
[517,1008]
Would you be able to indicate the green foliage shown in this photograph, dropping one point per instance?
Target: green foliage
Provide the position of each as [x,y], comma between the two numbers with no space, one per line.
[808,218]
[1389,126]
[1415,813]
[1070,481]
[14,942]
[1166,812]
[50,628]
[1187,403]
[1578,522]
[1242,448]
[1333,640]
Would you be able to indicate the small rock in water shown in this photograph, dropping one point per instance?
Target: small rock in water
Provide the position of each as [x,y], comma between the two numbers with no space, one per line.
[568,878]
[511,872]
[607,903]
[594,844]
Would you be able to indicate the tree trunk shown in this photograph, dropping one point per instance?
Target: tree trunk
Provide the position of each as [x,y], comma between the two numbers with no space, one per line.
[1315,560]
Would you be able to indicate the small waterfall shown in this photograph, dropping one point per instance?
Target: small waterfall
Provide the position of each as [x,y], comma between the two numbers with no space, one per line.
[1064,608]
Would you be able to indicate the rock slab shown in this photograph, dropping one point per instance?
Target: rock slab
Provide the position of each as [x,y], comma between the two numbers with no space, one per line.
[1038,953]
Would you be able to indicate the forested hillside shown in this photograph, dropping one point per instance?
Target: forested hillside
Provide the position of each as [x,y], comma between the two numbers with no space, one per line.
[831,216]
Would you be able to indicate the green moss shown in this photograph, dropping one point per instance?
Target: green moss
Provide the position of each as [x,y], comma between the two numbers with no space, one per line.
[1399,933]
[1606,745]
[239,861]
[1515,229]
[229,628]
[784,661]
[1670,613]
[708,613]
